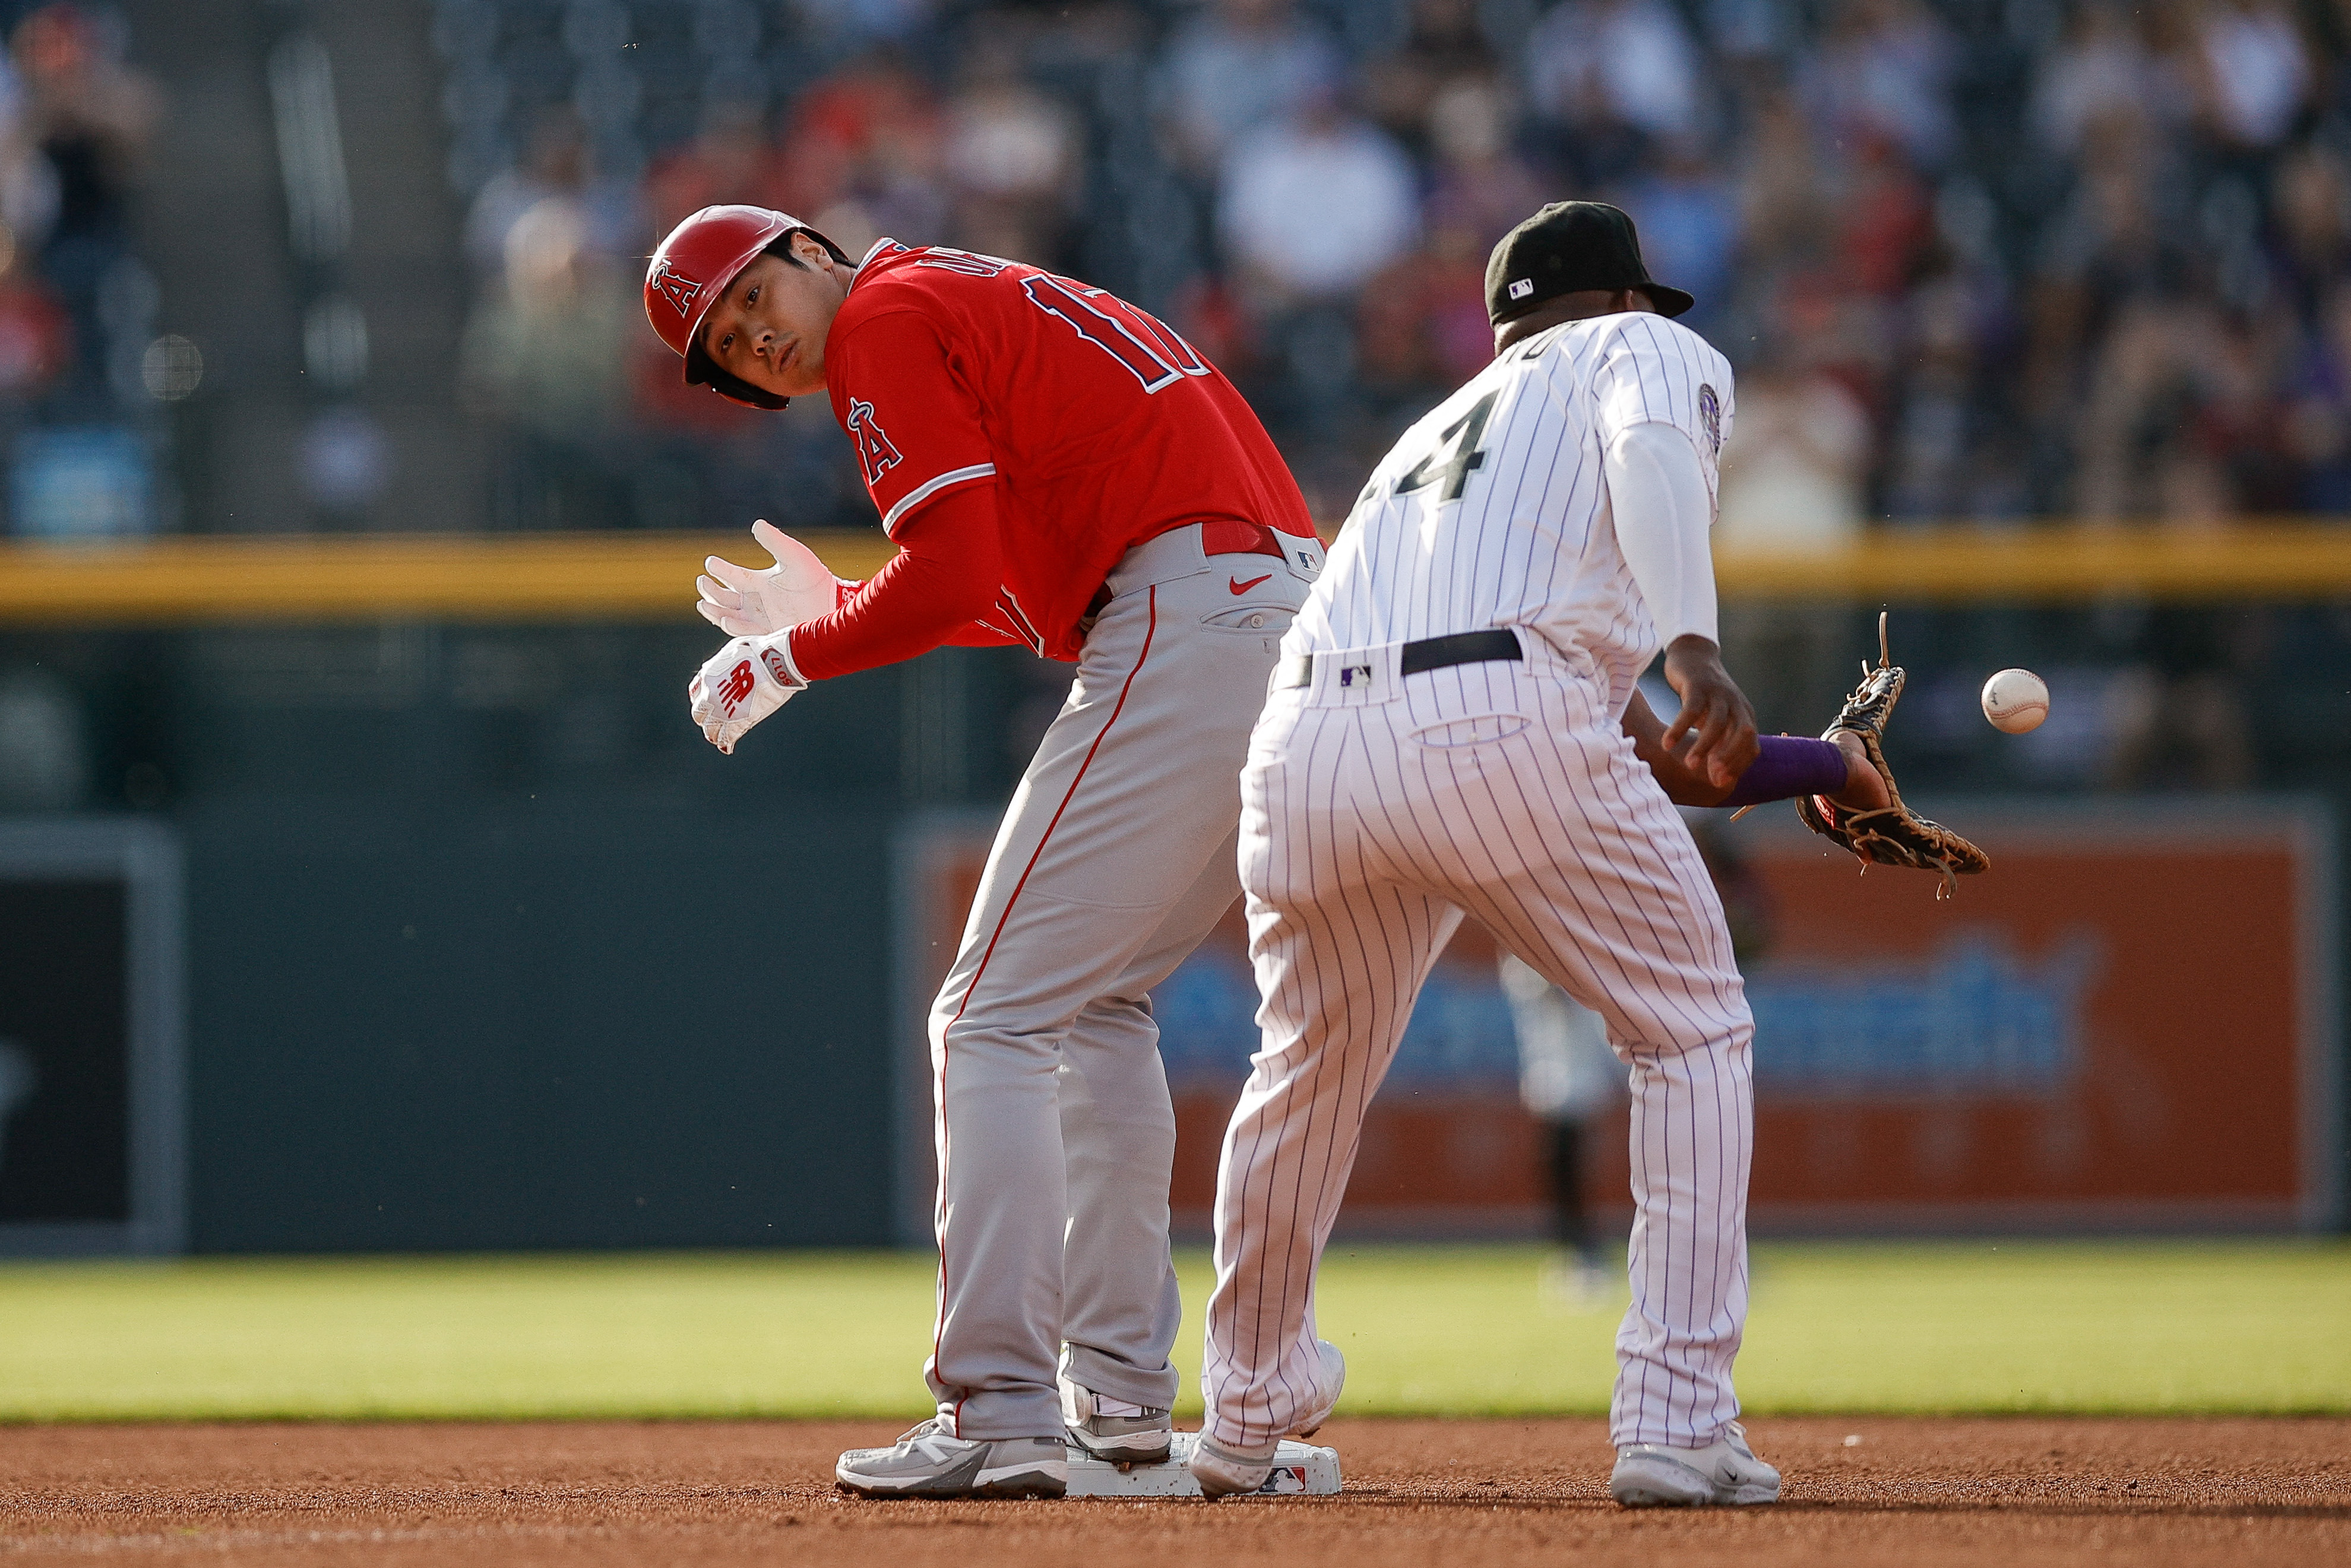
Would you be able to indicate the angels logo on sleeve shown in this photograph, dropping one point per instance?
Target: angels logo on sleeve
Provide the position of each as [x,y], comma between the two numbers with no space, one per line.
[875,454]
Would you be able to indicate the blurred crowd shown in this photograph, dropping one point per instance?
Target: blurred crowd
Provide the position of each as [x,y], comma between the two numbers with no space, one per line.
[82,373]
[77,307]
[1974,259]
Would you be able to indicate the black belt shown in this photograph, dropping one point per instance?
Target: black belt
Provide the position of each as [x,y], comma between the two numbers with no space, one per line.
[1429,653]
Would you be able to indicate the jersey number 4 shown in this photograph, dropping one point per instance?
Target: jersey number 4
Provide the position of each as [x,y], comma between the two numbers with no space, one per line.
[1456,453]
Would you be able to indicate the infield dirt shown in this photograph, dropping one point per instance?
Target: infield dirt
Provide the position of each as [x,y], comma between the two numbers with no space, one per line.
[2017,1492]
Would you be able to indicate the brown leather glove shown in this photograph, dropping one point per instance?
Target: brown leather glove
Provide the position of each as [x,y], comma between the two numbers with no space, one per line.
[1892,834]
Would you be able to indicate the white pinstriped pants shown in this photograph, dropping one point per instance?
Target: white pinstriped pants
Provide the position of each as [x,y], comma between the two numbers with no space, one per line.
[1375,815]
[1055,1135]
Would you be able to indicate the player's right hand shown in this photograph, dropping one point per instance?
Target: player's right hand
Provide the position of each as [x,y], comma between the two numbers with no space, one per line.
[759,601]
[1716,723]
[742,684]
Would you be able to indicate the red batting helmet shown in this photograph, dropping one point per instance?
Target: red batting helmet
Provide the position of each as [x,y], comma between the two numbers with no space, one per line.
[691,269]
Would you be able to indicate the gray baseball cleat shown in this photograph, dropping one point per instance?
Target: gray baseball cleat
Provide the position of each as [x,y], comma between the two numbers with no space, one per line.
[1225,1471]
[927,1462]
[1142,1438]
[1725,1472]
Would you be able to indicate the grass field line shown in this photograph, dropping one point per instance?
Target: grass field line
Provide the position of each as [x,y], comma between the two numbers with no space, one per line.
[2089,1328]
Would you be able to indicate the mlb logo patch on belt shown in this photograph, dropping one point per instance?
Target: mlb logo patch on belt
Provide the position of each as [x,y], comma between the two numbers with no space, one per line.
[1298,671]
[1429,653]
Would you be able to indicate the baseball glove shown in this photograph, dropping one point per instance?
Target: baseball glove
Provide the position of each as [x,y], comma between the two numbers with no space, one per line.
[1893,835]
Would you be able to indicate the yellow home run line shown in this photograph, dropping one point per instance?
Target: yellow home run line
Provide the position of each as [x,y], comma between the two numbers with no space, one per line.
[2057,564]
[456,576]
[650,577]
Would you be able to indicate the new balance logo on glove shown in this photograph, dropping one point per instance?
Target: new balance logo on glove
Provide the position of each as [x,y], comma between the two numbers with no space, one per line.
[739,685]
[750,678]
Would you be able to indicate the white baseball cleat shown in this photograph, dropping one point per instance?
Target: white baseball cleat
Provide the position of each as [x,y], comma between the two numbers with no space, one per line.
[1725,1472]
[1112,1429]
[1330,1384]
[1229,1472]
[1225,1471]
[927,1462]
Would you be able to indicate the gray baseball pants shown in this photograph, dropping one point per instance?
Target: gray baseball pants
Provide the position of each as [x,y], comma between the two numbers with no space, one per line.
[1055,1134]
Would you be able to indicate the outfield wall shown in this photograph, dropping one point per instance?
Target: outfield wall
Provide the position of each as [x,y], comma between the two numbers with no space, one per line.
[2131,1023]
[482,946]
[529,1025]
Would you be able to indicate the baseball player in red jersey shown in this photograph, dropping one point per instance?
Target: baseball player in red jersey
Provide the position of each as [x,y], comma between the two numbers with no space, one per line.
[1060,471]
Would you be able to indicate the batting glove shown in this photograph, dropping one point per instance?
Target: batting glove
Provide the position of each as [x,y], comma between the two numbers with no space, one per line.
[755,602]
[748,679]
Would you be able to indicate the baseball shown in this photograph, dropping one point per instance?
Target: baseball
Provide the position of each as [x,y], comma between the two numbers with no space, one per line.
[2016,701]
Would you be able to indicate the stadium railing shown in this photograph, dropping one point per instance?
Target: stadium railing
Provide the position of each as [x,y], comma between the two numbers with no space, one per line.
[646,576]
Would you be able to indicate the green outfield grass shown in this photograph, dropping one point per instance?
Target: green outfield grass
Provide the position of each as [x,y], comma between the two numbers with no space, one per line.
[2173,1327]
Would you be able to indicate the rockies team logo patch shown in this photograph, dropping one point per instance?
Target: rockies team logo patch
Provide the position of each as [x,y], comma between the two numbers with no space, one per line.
[875,454]
[675,288]
[1709,414]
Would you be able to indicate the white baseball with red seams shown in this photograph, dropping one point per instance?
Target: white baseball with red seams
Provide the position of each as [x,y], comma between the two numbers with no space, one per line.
[2016,701]
[1378,808]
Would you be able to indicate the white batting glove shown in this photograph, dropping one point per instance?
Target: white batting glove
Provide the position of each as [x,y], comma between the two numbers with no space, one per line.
[748,679]
[759,601]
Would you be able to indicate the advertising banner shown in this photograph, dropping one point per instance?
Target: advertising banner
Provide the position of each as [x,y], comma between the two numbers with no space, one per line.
[2129,1022]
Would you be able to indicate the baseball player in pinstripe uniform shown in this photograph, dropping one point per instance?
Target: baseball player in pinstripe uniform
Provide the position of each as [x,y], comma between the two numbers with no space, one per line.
[1454,728]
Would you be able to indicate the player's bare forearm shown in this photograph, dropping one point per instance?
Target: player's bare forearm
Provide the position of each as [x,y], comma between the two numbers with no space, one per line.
[1865,787]
[1715,732]
[1683,785]
[1686,786]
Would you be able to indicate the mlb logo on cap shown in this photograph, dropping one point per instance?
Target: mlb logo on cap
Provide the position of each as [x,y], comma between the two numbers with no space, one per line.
[1571,247]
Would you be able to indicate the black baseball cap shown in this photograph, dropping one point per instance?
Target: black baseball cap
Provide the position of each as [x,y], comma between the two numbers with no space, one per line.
[1569,247]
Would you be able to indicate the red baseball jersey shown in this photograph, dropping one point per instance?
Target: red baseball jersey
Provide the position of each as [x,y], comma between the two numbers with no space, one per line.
[1097,426]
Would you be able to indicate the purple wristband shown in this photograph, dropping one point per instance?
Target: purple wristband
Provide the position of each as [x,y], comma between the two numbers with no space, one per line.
[1788,767]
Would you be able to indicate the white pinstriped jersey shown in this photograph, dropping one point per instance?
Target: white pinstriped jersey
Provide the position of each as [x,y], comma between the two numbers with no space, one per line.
[1491,511]
[1376,815]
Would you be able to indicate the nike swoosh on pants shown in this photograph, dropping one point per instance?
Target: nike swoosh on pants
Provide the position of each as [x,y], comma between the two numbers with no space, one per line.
[1237,586]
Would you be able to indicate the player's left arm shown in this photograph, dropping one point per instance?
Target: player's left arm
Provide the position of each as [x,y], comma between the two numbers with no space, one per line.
[1683,784]
[1786,768]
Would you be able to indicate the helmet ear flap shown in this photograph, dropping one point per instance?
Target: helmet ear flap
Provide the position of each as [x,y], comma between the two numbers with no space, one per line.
[740,391]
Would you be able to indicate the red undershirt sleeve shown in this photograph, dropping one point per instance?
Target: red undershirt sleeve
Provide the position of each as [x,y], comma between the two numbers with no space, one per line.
[943,577]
